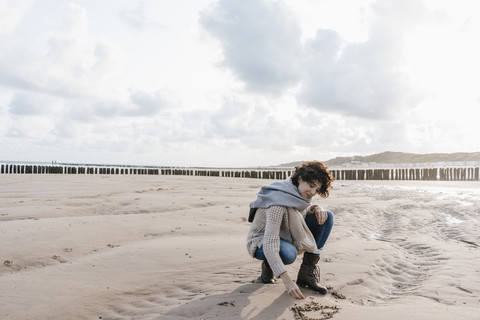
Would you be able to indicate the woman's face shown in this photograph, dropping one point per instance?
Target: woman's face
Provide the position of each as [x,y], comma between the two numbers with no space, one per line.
[308,189]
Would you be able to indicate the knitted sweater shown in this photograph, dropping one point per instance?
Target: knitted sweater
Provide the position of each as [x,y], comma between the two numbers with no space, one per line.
[269,226]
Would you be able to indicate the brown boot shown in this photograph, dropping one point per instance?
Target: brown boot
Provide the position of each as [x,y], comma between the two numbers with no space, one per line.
[309,273]
[267,273]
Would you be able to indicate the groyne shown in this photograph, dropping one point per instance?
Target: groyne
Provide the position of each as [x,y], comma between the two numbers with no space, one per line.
[427,173]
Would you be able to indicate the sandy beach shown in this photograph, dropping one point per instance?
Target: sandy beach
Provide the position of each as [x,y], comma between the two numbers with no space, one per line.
[173,247]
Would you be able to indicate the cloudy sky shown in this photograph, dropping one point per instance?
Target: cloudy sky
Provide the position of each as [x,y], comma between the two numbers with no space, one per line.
[236,82]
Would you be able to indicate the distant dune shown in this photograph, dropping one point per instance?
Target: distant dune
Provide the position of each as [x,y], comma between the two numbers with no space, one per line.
[399,157]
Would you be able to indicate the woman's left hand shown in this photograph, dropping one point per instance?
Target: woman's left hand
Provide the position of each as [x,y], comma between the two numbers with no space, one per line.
[321,215]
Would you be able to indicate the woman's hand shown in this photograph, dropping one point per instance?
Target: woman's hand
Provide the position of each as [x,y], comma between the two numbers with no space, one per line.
[321,214]
[291,286]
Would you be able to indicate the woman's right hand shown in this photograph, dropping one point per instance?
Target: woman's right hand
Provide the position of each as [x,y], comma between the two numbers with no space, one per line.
[291,286]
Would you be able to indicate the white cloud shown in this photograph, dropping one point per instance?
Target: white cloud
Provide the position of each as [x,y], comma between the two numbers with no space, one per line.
[11,13]
[235,82]
[26,103]
[363,79]
[75,65]
[148,104]
[138,18]
[260,41]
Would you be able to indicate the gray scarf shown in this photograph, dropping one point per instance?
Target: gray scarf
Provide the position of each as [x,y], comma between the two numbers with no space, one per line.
[281,193]
[286,194]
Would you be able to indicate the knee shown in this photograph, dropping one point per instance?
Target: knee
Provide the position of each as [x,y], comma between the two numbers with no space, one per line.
[330,218]
[288,254]
[289,258]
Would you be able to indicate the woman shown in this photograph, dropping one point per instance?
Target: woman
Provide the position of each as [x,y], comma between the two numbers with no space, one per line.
[286,224]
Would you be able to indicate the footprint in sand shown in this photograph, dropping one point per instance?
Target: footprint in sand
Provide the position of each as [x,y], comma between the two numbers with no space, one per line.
[355,282]
[58,258]
[329,276]
[8,263]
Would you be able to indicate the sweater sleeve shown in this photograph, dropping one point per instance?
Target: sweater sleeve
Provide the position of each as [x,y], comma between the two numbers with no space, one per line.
[271,239]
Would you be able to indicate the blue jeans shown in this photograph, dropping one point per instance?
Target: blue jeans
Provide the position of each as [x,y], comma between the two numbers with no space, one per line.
[288,252]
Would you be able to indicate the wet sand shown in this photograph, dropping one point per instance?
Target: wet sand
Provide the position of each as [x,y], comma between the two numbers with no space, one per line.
[173,247]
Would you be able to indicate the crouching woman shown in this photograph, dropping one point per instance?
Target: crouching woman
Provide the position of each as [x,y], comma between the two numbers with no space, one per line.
[286,224]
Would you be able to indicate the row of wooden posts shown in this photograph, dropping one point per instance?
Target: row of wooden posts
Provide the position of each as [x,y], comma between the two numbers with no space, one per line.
[65,169]
[443,173]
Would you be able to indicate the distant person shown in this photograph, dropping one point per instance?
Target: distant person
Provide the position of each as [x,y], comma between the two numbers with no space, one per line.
[285,224]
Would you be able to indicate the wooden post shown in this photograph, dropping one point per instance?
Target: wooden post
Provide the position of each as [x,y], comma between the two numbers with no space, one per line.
[361,174]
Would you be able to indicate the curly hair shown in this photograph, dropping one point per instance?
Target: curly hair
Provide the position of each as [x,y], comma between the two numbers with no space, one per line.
[312,171]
